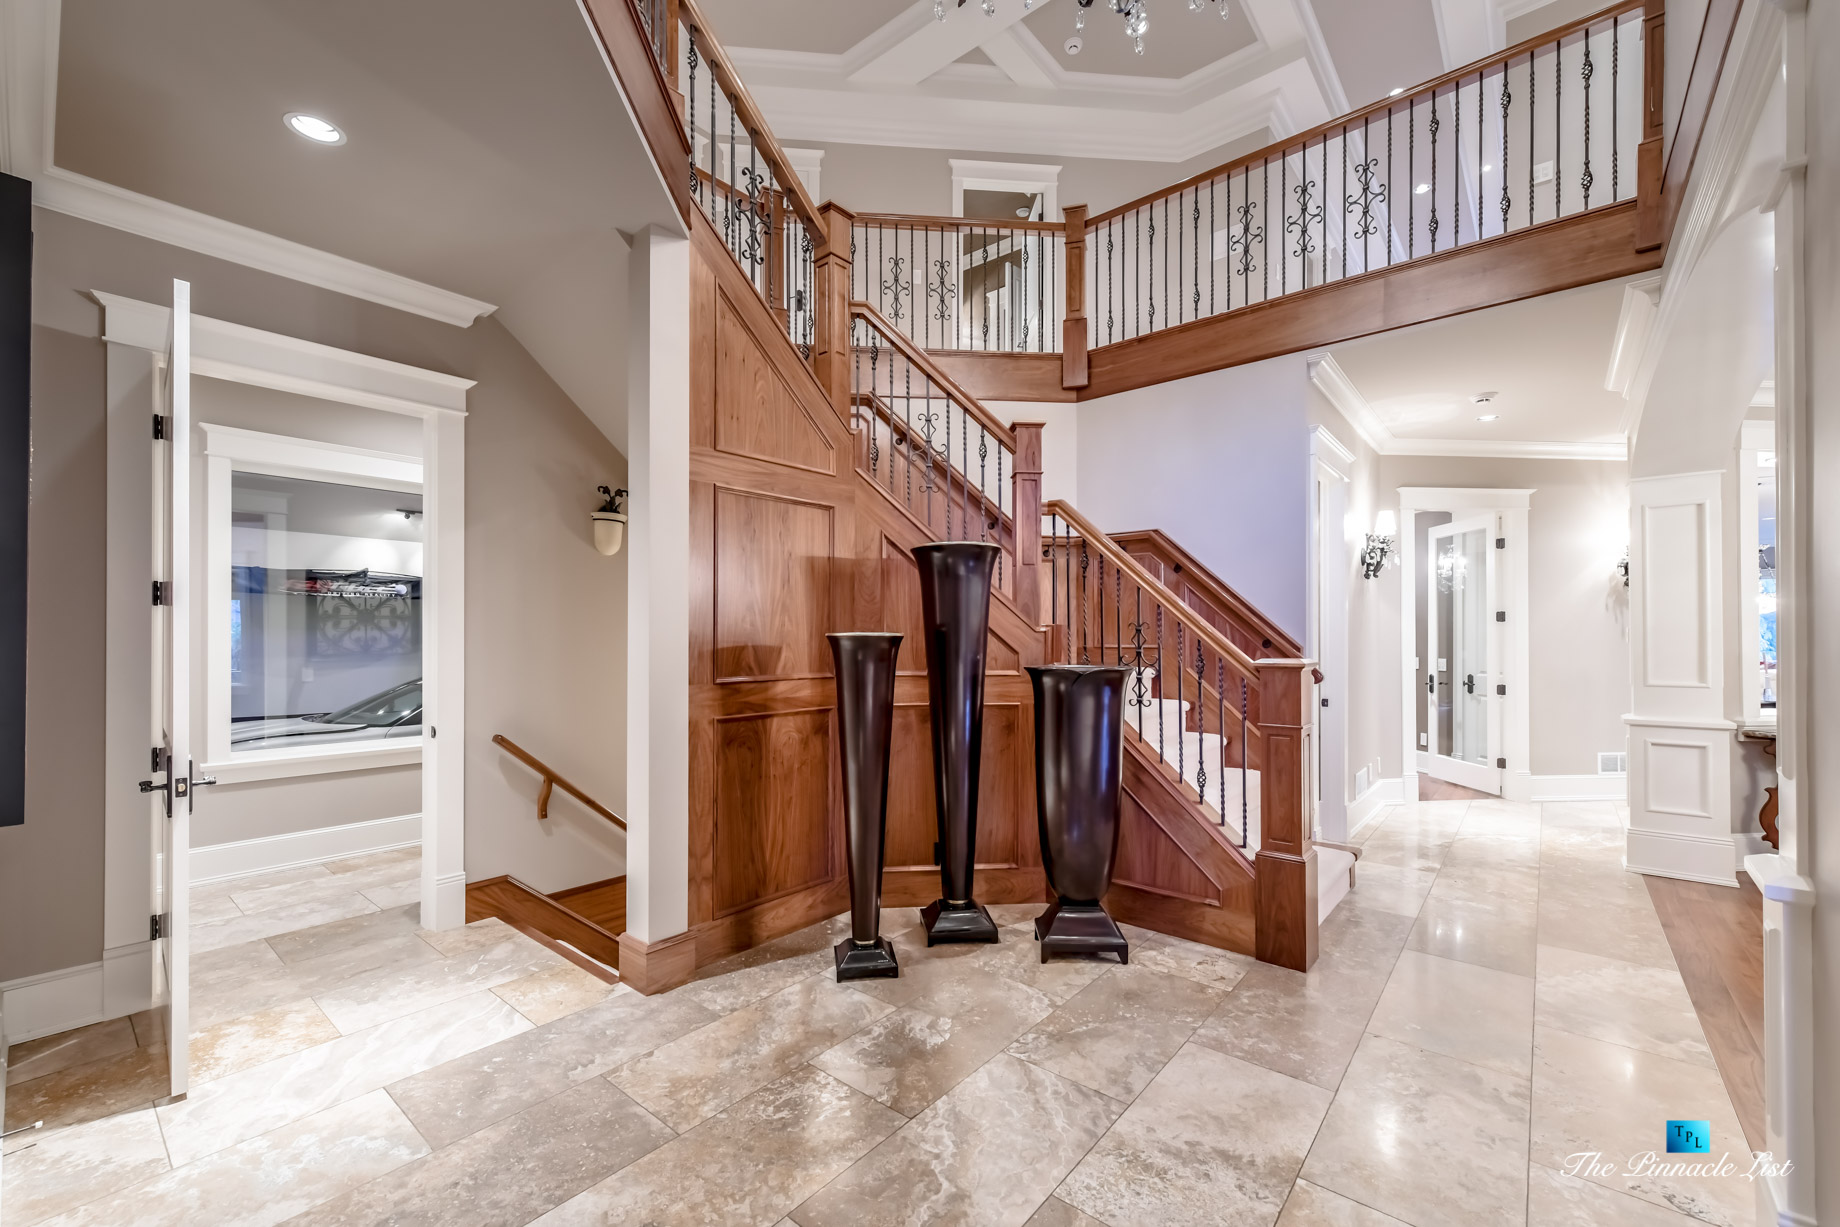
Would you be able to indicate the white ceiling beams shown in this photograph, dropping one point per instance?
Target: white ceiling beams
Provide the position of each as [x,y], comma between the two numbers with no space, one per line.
[1015,52]
[1283,98]
[1469,30]
[934,44]
[900,87]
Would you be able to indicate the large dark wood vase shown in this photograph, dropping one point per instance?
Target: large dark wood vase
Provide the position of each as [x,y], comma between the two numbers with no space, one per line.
[955,617]
[1079,761]
[865,718]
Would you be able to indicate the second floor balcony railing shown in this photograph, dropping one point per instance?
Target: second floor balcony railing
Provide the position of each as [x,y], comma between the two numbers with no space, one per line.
[963,283]
[1544,131]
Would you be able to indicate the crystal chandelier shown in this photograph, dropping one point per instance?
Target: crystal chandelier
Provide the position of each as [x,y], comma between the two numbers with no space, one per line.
[1136,14]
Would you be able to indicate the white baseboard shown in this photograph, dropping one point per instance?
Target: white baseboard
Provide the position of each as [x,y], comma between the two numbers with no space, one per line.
[1671,854]
[1578,788]
[51,1002]
[449,910]
[1366,809]
[234,860]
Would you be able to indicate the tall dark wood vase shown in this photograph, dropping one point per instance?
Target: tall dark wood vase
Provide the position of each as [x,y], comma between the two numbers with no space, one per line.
[865,718]
[1079,761]
[955,617]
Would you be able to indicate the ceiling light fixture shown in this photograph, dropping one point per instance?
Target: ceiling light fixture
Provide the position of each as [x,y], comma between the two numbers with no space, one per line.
[1136,14]
[315,129]
[1489,417]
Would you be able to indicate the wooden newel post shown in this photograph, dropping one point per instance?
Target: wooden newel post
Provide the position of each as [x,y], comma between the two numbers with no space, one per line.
[831,356]
[1286,864]
[1074,370]
[1027,509]
[1651,166]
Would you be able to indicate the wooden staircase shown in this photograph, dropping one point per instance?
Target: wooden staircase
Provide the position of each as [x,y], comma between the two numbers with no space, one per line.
[583,923]
[1197,822]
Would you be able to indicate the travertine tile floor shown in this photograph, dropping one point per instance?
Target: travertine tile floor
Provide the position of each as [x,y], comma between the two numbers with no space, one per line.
[1495,996]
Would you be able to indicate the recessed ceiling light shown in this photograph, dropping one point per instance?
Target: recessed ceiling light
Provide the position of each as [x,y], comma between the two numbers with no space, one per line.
[1488,417]
[1397,92]
[1421,189]
[315,129]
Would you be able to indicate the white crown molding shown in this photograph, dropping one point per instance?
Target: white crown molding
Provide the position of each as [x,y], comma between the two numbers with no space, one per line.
[1633,324]
[1334,384]
[105,204]
[28,96]
[804,113]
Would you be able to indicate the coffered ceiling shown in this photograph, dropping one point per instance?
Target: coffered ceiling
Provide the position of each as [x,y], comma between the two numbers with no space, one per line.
[884,72]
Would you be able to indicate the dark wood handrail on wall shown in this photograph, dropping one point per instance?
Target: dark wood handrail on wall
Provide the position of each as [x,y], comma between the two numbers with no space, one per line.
[552,780]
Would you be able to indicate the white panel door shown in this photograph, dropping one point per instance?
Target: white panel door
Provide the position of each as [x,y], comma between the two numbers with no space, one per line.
[1463,643]
[171,810]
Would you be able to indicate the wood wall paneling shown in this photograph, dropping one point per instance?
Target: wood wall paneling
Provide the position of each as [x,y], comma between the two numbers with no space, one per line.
[774,569]
[773,828]
[772,542]
[757,414]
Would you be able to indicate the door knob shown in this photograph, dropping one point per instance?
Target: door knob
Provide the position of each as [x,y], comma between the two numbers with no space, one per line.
[1469,684]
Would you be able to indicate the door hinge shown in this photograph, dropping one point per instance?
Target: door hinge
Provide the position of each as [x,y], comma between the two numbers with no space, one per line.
[1502,763]
[1501,689]
[1501,543]
[156,927]
[155,761]
[1501,615]
[162,592]
[159,426]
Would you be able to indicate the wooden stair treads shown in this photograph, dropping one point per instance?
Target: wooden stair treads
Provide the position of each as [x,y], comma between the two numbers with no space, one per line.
[544,918]
[602,902]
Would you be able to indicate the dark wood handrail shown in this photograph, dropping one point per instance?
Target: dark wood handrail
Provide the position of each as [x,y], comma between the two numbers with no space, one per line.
[715,58]
[919,221]
[1251,619]
[924,362]
[1103,545]
[552,780]
[1285,146]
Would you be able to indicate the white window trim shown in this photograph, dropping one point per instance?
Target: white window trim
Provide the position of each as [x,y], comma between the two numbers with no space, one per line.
[1033,177]
[229,450]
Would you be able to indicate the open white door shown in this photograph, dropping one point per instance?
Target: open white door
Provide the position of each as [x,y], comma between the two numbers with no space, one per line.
[172,684]
[1464,646]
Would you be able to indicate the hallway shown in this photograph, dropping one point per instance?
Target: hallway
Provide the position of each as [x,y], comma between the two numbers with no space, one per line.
[1494,996]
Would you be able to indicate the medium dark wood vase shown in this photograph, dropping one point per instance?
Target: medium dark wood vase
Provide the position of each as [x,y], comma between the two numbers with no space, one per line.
[955,617]
[1079,762]
[864,666]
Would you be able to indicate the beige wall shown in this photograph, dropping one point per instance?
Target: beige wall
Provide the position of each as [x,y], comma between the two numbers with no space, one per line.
[1578,615]
[545,613]
[887,179]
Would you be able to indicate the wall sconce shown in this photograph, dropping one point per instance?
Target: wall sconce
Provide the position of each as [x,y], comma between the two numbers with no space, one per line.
[610,521]
[1382,546]
[1622,568]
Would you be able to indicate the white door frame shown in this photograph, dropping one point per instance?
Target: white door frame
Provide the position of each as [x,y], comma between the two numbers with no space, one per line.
[1326,626]
[135,333]
[1513,506]
[1484,776]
